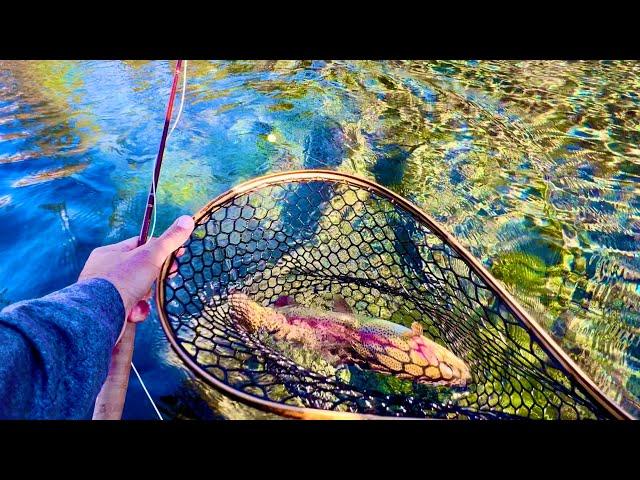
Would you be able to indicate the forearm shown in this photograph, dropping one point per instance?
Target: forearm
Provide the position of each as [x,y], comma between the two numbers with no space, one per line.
[55,350]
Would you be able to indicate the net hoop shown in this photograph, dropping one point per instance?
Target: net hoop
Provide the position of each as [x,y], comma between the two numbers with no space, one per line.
[571,369]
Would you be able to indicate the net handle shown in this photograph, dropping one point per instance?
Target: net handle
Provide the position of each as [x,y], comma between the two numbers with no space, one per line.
[110,401]
[538,333]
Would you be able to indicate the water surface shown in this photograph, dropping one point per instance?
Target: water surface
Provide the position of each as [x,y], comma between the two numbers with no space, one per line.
[534,166]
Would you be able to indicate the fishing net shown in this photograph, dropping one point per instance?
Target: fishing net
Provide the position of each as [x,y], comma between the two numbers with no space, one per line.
[311,235]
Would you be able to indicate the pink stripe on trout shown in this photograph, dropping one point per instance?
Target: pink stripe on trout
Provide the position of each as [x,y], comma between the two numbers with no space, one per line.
[373,343]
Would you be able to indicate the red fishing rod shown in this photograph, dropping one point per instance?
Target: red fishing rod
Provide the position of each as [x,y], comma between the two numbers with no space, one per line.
[110,400]
[151,199]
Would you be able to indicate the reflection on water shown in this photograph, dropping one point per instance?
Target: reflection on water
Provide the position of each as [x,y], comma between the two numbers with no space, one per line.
[534,166]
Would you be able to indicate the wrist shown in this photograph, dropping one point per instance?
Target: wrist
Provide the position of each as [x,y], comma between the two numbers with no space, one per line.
[110,297]
[127,302]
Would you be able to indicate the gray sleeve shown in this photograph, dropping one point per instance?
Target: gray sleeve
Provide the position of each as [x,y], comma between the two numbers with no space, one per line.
[55,351]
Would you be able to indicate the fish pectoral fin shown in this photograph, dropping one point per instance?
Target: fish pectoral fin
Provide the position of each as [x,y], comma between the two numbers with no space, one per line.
[341,305]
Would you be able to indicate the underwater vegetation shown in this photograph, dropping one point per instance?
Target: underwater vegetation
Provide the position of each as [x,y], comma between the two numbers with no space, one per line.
[533,165]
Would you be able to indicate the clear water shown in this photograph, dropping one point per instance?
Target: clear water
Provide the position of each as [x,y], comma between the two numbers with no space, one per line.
[534,166]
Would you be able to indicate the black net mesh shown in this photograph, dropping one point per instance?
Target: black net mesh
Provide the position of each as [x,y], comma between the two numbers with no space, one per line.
[310,239]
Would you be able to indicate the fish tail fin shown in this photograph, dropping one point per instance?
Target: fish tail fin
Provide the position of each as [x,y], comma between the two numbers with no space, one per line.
[248,313]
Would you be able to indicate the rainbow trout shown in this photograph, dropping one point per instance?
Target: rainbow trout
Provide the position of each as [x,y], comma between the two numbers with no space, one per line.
[373,343]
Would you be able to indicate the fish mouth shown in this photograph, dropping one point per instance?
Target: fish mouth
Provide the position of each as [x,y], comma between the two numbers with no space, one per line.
[453,372]
[417,359]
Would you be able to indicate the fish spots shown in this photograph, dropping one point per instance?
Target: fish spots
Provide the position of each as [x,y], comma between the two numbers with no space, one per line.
[432,373]
[419,359]
[376,331]
[361,350]
[373,343]
[389,362]
[398,354]
[401,344]
[413,370]
[312,323]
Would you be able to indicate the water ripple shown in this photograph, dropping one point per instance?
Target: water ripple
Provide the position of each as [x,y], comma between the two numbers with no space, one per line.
[534,165]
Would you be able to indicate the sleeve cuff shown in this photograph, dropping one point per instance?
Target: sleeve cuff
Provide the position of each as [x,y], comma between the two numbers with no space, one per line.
[108,302]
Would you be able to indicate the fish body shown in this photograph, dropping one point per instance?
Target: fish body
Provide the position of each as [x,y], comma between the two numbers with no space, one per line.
[373,343]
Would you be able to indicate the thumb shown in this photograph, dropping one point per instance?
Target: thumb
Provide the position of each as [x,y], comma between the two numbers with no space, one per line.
[172,239]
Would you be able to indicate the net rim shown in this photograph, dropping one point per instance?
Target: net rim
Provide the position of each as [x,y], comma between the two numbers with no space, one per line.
[540,335]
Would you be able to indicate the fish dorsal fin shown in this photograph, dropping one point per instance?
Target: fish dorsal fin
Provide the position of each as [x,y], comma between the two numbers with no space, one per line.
[416,328]
[341,305]
[416,331]
[285,301]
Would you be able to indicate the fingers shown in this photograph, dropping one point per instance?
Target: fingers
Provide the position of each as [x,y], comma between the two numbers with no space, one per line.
[139,312]
[173,270]
[126,245]
[171,239]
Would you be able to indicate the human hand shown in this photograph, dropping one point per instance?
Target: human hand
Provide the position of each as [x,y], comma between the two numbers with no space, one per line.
[132,269]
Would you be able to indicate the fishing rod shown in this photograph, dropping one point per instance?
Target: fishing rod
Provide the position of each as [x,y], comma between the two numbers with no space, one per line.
[110,401]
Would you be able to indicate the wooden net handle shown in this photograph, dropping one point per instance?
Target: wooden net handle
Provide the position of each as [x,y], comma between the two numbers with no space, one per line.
[110,401]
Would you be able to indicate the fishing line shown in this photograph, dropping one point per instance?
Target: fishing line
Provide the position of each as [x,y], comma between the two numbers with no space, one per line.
[153,225]
[175,123]
[144,387]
